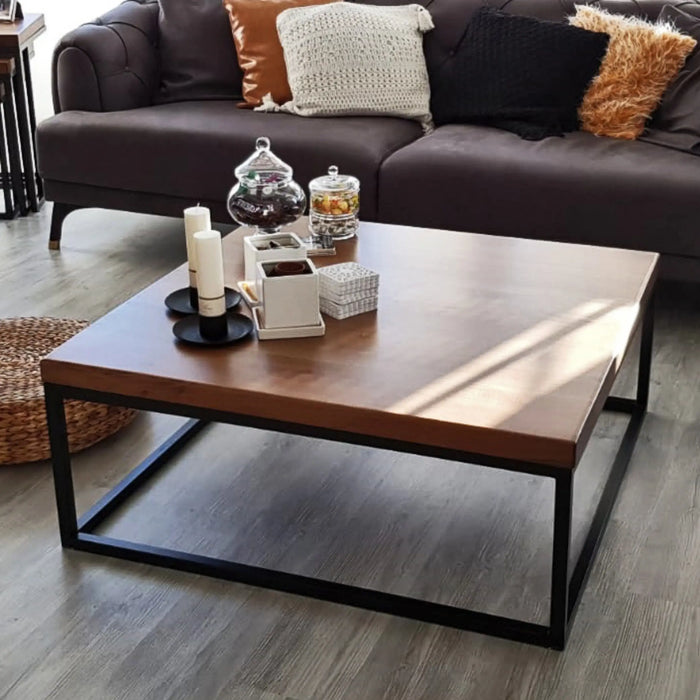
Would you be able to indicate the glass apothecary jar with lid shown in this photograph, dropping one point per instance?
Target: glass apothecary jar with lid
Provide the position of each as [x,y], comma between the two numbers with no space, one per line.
[265,195]
[334,205]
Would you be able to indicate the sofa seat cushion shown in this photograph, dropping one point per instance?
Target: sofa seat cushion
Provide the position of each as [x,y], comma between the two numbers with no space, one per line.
[189,149]
[578,188]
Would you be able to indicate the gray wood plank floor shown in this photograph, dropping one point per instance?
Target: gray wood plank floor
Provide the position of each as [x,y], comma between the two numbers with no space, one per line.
[78,626]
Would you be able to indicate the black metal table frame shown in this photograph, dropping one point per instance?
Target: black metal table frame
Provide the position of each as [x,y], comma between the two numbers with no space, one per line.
[566,588]
[26,115]
[20,120]
[10,154]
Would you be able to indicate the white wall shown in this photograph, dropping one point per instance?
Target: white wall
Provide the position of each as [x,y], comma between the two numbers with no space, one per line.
[60,18]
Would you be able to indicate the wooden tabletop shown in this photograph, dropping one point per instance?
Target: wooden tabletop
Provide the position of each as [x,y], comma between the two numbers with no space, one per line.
[16,35]
[491,345]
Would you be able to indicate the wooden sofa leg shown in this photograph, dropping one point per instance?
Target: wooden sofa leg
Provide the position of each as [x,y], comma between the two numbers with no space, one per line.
[60,212]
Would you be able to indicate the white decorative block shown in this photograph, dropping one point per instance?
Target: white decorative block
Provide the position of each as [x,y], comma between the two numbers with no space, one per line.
[275,246]
[342,299]
[288,301]
[341,311]
[347,278]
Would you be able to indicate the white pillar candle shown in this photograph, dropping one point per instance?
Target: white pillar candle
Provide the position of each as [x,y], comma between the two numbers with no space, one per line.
[196,219]
[210,273]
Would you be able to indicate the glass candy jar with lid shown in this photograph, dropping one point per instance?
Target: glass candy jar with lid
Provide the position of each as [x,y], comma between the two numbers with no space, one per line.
[265,195]
[335,205]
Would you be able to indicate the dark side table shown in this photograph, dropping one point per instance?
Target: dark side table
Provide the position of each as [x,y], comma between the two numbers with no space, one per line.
[10,153]
[17,42]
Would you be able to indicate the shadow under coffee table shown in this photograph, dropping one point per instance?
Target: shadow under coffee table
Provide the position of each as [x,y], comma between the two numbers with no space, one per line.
[492,351]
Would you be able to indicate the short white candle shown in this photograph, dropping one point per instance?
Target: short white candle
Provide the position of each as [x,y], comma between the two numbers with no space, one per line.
[196,219]
[210,273]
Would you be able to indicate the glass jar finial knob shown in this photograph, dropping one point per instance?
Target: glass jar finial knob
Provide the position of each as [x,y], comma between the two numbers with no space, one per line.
[262,143]
[333,171]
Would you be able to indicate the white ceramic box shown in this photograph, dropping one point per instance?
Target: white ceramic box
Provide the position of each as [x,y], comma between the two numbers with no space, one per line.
[275,246]
[288,301]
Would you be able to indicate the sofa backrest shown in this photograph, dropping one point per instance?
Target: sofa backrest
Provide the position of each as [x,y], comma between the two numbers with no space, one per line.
[451,16]
[559,9]
[198,70]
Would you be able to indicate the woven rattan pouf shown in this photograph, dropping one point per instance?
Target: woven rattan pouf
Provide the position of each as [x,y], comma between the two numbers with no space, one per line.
[23,431]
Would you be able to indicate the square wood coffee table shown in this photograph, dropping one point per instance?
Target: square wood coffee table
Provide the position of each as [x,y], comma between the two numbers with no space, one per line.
[493,351]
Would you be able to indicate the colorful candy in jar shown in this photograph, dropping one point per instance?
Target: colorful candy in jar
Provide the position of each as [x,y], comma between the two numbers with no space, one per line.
[335,204]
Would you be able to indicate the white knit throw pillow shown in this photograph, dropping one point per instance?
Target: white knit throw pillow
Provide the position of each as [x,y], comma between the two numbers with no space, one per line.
[345,59]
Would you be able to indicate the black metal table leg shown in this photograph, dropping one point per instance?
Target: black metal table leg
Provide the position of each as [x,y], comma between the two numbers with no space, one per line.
[13,148]
[60,457]
[6,174]
[645,349]
[25,135]
[559,603]
[32,123]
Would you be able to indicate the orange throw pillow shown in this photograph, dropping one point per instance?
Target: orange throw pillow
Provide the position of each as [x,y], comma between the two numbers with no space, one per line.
[642,59]
[260,56]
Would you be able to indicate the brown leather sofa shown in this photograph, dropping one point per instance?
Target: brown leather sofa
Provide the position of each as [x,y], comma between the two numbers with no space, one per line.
[114,143]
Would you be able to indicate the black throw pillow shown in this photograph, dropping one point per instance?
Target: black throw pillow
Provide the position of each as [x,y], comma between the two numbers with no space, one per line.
[197,53]
[517,73]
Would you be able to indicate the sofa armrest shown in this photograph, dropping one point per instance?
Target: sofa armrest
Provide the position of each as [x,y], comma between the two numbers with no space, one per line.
[111,63]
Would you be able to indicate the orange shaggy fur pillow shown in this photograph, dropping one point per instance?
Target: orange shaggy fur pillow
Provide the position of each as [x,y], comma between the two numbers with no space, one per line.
[642,59]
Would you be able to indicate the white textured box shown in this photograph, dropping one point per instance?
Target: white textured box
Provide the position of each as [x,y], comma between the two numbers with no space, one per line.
[254,250]
[341,311]
[347,278]
[288,301]
[372,292]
